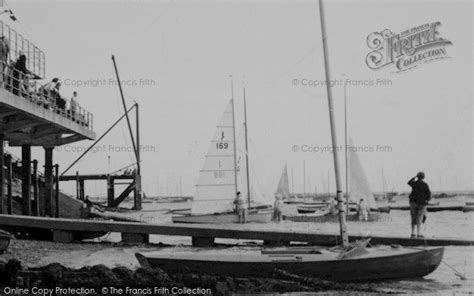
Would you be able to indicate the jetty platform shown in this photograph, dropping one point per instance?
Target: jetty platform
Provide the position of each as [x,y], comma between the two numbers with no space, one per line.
[203,235]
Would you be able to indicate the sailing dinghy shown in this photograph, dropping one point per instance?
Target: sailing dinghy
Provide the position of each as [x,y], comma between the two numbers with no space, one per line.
[217,185]
[374,264]
[359,188]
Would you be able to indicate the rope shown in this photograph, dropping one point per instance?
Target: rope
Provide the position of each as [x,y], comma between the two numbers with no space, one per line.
[456,272]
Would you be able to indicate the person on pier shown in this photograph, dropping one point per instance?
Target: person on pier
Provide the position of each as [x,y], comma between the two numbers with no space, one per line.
[239,208]
[277,208]
[419,197]
[4,54]
[19,71]
[74,106]
[363,210]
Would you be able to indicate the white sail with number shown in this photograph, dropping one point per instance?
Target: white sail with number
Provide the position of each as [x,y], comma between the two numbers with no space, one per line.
[359,187]
[215,190]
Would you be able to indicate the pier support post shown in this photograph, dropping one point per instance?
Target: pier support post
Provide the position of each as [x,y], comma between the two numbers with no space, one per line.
[9,185]
[203,242]
[110,191]
[36,188]
[2,171]
[48,181]
[137,202]
[56,189]
[78,195]
[82,190]
[26,178]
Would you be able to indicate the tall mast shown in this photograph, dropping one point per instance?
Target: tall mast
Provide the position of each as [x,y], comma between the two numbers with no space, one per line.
[346,150]
[340,200]
[246,149]
[383,183]
[329,185]
[304,180]
[233,131]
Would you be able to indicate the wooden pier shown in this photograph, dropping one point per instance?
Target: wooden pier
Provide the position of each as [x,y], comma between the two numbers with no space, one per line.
[204,235]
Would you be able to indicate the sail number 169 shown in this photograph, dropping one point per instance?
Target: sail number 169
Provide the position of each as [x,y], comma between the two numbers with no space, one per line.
[222,145]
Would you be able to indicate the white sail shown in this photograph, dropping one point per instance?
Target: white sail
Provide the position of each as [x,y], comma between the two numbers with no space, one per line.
[283,188]
[358,183]
[215,190]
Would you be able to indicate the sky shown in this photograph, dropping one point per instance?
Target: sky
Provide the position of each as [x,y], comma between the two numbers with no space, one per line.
[176,59]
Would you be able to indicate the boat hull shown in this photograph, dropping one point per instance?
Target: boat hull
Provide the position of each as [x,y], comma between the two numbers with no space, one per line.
[373,217]
[224,218]
[401,263]
[5,238]
[310,209]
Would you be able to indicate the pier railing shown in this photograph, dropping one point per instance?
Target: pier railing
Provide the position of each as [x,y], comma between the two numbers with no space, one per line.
[26,87]
[19,45]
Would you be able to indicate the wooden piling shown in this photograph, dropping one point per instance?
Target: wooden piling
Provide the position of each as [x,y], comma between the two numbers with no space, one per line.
[48,180]
[9,185]
[56,191]
[36,188]
[26,178]
[110,191]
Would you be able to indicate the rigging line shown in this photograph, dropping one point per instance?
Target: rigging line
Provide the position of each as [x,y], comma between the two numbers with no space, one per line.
[125,138]
[299,61]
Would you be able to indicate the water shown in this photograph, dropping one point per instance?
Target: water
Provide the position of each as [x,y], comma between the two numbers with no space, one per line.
[448,224]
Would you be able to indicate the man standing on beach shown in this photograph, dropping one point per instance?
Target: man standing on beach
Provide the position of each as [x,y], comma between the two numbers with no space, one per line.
[419,198]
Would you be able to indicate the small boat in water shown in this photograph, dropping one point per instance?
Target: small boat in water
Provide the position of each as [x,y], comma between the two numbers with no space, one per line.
[309,209]
[359,189]
[5,238]
[371,264]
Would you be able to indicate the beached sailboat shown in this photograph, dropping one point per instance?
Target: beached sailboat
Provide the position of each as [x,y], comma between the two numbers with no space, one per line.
[5,238]
[349,263]
[374,264]
[217,185]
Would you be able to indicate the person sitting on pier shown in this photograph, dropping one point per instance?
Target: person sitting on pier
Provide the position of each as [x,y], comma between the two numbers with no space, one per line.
[239,208]
[55,94]
[46,90]
[419,197]
[363,210]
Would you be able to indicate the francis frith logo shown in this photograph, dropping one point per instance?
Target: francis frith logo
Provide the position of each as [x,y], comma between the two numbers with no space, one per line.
[407,49]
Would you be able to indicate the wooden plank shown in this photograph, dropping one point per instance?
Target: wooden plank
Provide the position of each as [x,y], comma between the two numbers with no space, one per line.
[215,231]
[95,177]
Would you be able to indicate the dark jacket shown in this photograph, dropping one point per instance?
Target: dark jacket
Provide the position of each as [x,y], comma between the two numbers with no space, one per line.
[420,191]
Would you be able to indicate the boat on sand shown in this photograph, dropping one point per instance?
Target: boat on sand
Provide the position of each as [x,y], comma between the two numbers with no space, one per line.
[374,264]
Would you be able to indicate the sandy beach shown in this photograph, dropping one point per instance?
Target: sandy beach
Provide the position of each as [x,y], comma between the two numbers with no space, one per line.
[75,255]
